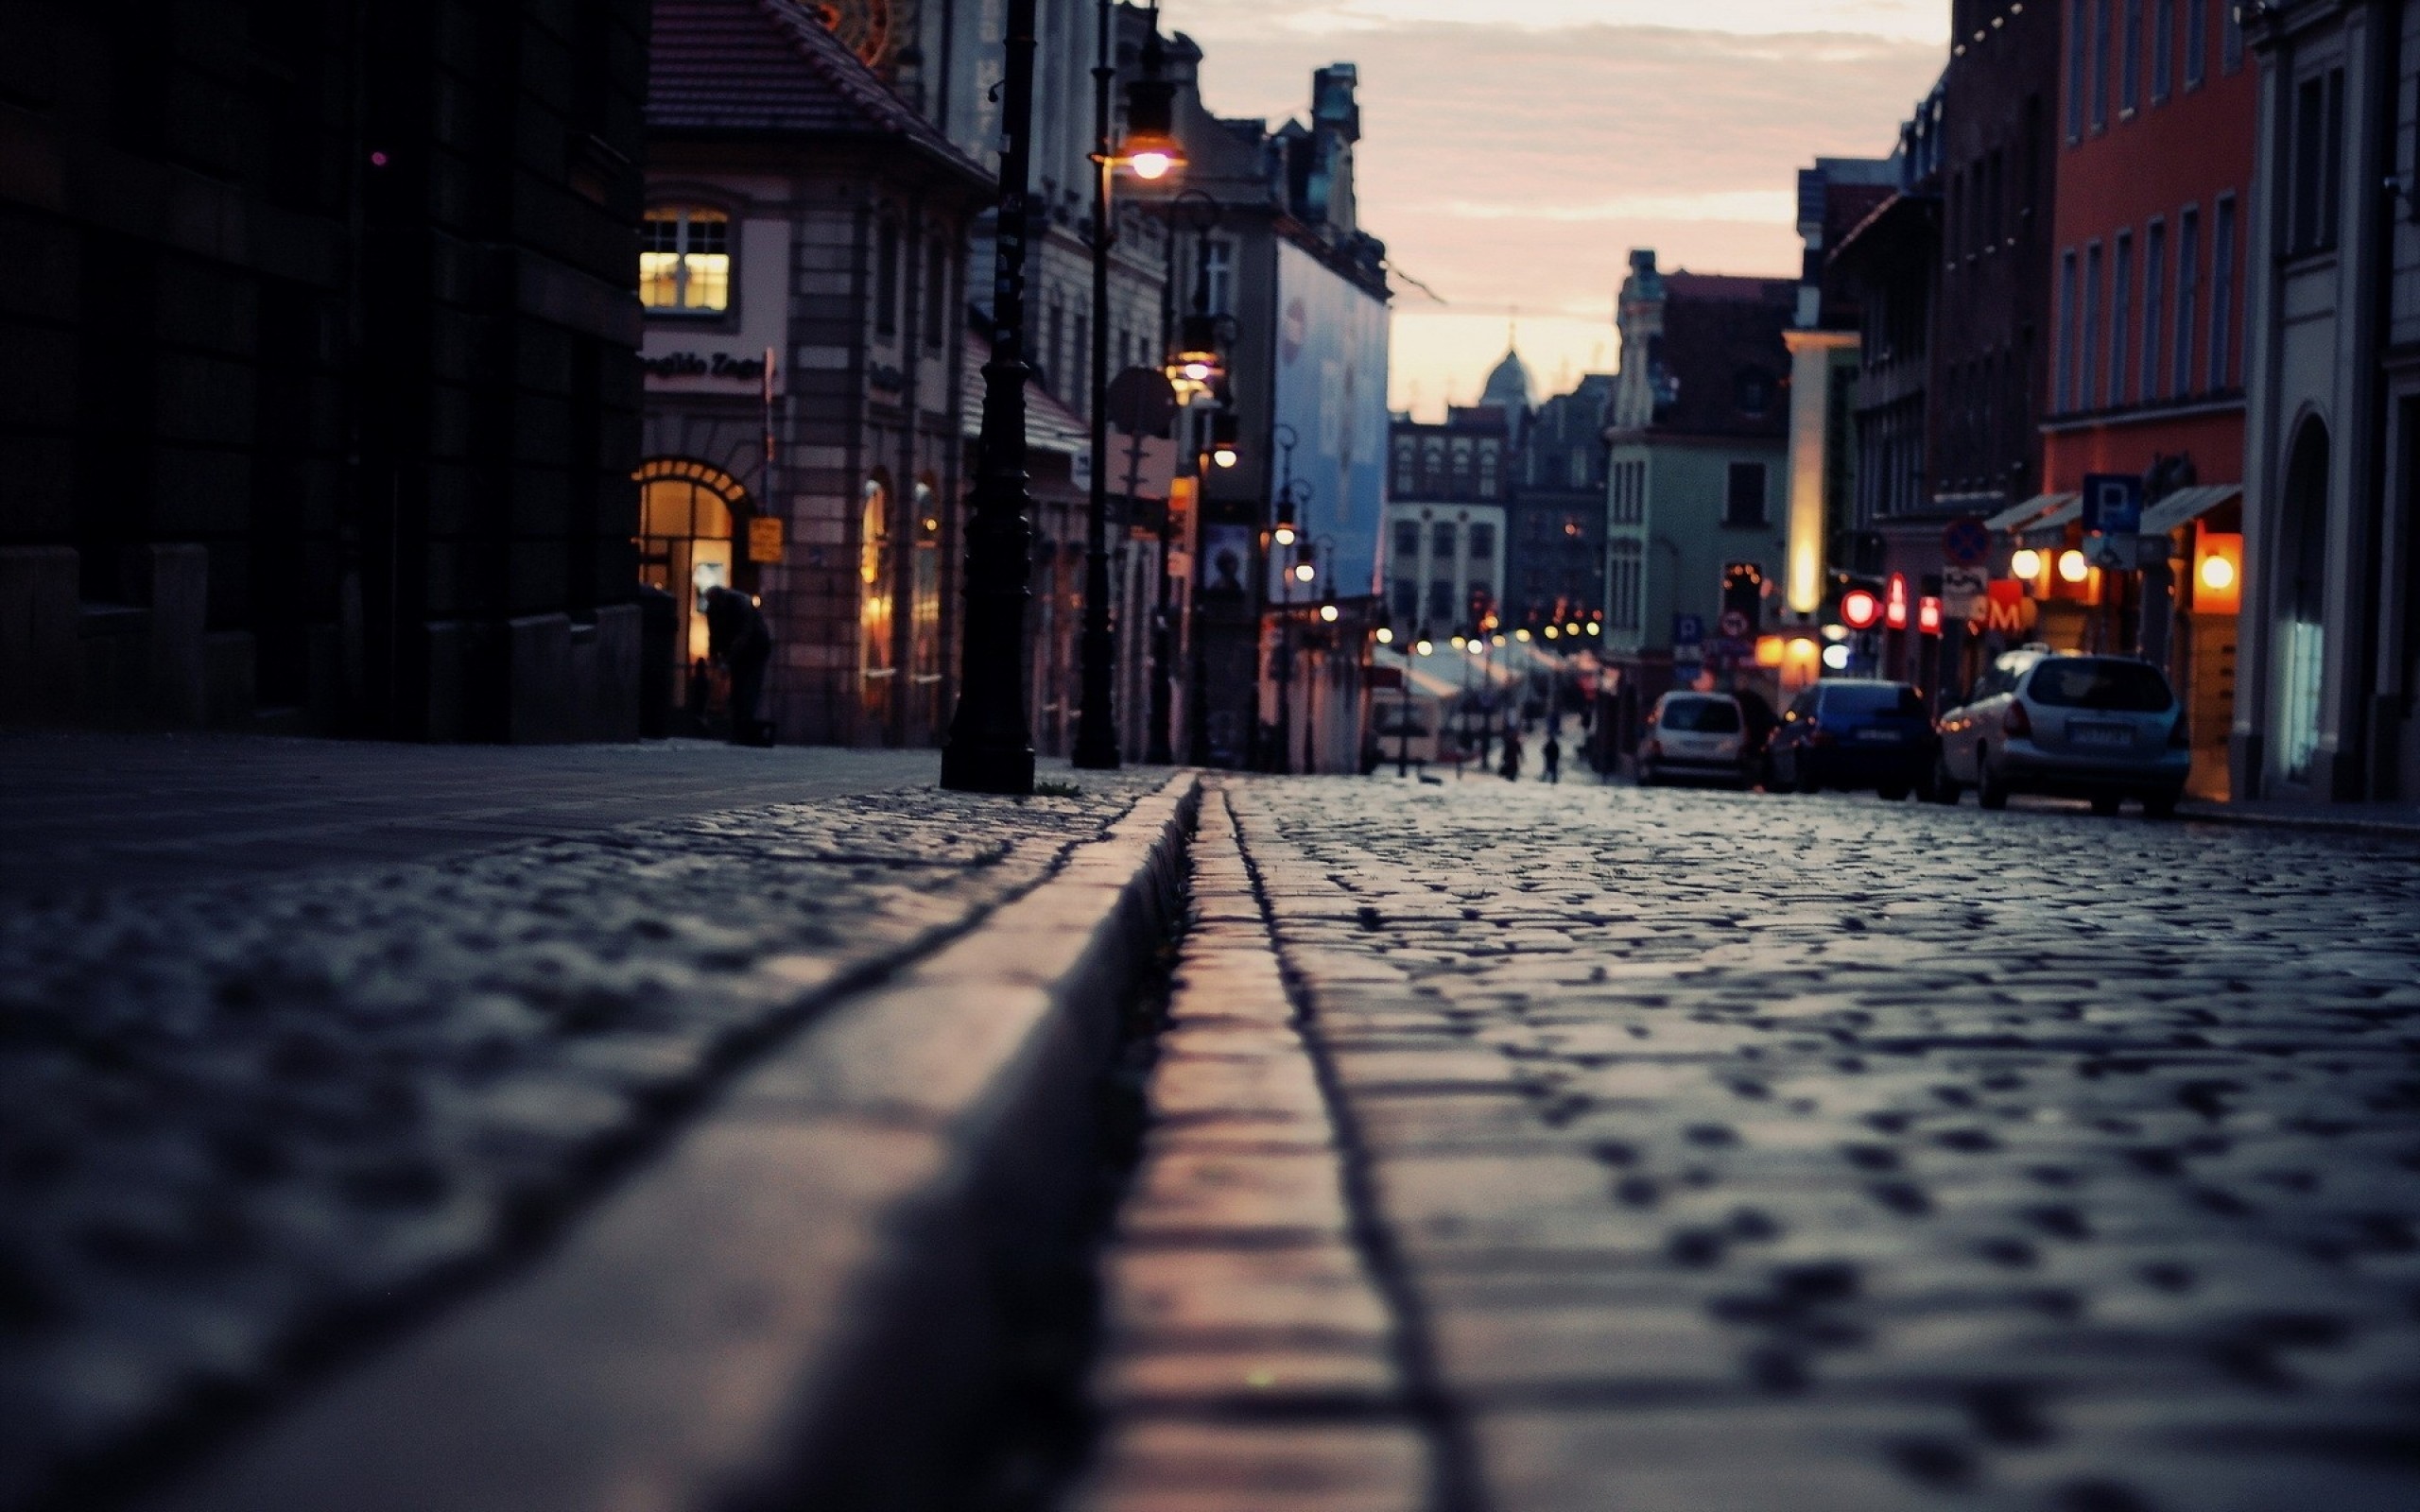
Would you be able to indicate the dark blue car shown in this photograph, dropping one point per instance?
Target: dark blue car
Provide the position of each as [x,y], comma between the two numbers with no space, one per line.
[1854,734]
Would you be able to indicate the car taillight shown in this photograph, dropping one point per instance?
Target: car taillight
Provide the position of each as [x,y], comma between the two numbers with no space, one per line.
[2018,722]
[2180,734]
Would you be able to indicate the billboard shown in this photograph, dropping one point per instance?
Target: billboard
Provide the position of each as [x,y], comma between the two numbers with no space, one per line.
[1331,387]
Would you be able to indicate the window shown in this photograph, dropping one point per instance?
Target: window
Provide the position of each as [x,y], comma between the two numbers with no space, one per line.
[1441,542]
[2197,39]
[1630,488]
[1623,589]
[886,279]
[2189,293]
[2154,304]
[1442,608]
[937,320]
[1407,544]
[2100,64]
[2223,294]
[1993,201]
[2076,30]
[1406,601]
[684,259]
[2069,349]
[1482,542]
[1743,501]
[2318,158]
[2130,61]
[1487,454]
[2164,49]
[1406,454]
[2231,48]
[1756,392]
[1219,276]
[2122,315]
[1579,460]
[2088,376]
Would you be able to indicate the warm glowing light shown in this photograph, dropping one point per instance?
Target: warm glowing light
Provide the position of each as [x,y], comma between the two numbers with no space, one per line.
[1222,455]
[1802,649]
[1197,371]
[1572,629]
[2072,567]
[1836,655]
[1457,642]
[1498,641]
[1151,165]
[1475,648]
[1552,632]
[1522,636]
[1423,645]
[1595,629]
[2026,563]
[1285,535]
[1386,635]
[1929,616]
[1894,601]
[1768,650]
[1860,609]
[1304,572]
[1327,613]
[2218,573]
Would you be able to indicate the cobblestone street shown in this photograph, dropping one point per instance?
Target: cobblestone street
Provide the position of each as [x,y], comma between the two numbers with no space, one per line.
[1691,1151]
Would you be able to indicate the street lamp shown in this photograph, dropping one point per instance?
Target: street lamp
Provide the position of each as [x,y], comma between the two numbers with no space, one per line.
[1151,151]
[1292,498]
[990,748]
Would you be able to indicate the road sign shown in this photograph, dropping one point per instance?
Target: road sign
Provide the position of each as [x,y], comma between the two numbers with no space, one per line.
[1966,541]
[1735,625]
[1961,590]
[2113,504]
[765,538]
[1688,634]
[1860,609]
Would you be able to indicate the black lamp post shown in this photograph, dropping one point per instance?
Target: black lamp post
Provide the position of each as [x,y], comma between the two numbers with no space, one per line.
[1202,211]
[990,748]
[1292,498]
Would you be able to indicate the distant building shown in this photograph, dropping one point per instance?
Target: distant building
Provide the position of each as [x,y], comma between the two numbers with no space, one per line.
[321,396]
[1447,488]
[1698,437]
[1554,549]
[2327,704]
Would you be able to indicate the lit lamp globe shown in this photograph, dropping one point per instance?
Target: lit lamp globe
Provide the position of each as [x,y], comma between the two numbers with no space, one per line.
[1836,655]
[1304,572]
[1222,455]
[1522,636]
[1457,642]
[2218,573]
[2026,563]
[2072,567]
[1327,613]
[1423,645]
[1386,635]
[1283,535]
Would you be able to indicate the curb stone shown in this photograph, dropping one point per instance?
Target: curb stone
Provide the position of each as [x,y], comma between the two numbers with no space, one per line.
[796,1304]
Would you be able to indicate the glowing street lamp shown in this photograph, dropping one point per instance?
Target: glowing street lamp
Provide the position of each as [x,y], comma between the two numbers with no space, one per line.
[2072,566]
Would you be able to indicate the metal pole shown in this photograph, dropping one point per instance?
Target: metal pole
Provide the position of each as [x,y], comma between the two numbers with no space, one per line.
[991,749]
[1095,716]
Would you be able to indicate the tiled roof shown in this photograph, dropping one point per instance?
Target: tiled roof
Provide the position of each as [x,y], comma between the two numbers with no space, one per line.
[1049,425]
[1716,330]
[770,66]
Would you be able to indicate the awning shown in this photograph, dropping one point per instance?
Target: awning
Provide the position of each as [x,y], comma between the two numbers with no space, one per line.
[2185,506]
[2026,515]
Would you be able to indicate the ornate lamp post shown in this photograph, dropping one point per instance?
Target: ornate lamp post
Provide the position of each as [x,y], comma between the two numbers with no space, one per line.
[990,748]
[1188,366]
[1151,152]
[1292,500]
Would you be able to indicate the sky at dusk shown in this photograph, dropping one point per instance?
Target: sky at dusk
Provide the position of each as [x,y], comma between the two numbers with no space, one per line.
[1510,164]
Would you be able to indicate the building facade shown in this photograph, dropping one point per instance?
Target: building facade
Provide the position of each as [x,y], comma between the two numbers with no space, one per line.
[804,274]
[2148,229]
[1447,488]
[1699,441]
[1554,549]
[2329,665]
[324,398]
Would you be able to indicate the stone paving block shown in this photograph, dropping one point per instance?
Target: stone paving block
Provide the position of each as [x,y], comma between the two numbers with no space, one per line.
[1238,1376]
[1313,1291]
[1193,1086]
[1155,1465]
[1193,1189]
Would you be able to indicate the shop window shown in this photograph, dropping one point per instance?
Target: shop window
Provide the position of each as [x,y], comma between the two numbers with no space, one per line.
[875,666]
[686,526]
[685,261]
[925,626]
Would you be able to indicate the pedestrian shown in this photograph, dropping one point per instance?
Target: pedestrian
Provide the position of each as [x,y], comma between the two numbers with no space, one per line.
[1553,754]
[1512,768]
[737,637]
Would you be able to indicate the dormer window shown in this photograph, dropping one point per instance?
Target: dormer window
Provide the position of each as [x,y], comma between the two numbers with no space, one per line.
[1756,392]
[685,261]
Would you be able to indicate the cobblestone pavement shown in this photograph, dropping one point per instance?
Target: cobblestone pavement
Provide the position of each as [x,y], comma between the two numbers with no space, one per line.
[241,1120]
[1692,1152]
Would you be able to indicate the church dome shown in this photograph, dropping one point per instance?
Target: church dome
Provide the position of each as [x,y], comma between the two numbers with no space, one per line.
[1507,386]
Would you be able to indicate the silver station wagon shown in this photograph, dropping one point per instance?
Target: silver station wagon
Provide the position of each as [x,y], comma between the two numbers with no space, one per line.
[2103,727]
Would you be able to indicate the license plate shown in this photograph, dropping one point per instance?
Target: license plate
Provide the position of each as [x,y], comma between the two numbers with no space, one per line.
[1879,737]
[2113,737]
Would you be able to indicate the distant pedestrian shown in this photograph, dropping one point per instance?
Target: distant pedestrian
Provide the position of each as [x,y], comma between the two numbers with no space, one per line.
[1511,768]
[1553,754]
[737,637]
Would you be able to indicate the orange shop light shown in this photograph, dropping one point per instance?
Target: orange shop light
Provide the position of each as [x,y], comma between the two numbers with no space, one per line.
[2218,573]
[1768,650]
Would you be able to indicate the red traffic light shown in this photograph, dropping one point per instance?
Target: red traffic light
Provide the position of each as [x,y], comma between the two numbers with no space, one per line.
[1859,610]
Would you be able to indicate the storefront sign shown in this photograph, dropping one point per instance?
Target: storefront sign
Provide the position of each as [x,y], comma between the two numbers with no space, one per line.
[1961,590]
[704,364]
[765,538]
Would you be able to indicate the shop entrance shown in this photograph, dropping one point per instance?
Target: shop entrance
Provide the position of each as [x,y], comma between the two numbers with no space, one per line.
[689,516]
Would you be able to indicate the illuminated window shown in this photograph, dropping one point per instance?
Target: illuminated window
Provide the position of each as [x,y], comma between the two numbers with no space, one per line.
[686,539]
[684,259]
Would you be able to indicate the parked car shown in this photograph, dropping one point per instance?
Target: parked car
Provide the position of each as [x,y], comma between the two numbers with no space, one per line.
[1705,737]
[2103,727]
[1854,734]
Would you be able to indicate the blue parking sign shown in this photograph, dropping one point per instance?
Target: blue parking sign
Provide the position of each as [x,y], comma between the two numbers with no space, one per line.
[1688,630]
[2113,504]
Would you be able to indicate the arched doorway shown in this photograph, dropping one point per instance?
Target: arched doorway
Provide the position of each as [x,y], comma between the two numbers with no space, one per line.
[2298,603]
[689,516]
[878,666]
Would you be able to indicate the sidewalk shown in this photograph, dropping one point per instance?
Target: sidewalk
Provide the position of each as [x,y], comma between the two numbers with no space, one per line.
[2399,820]
[580,1150]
